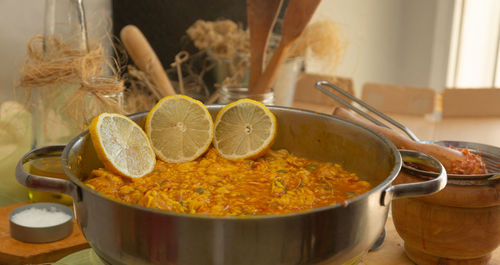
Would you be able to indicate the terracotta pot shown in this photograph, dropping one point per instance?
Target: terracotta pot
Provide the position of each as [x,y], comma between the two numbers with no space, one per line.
[458,225]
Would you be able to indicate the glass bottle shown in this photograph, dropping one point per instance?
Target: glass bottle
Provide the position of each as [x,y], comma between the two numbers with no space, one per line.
[54,104]
[64,23]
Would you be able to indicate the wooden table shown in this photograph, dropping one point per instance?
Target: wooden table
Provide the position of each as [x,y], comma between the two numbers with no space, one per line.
[479,130]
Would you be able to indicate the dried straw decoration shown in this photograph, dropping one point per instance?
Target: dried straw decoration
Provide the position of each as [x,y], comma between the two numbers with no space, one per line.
[138,95]
[227,43]
[53,70]
[323,41]
[223,38]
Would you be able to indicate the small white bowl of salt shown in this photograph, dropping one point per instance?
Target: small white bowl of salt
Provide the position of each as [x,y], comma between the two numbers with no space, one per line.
[41,222]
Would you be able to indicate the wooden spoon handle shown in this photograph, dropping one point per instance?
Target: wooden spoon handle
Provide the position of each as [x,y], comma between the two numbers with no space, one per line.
[267,79]
[396,138]
[297,15]
[261,15]
[445,155]
[145,58]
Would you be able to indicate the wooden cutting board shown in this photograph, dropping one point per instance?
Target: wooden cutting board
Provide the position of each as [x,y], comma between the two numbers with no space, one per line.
[14,252]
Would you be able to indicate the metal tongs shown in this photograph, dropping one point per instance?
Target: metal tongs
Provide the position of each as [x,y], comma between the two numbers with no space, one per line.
[489,154]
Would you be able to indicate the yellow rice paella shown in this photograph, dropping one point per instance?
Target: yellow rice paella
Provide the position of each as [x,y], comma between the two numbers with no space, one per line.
[277,183]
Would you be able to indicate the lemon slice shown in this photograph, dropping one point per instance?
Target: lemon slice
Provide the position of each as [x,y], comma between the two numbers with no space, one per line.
[180,128]
[244,129]
[121,145]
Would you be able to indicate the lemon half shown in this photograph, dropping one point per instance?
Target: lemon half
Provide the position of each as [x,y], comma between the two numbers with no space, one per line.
[122,145]
[180,128]
[244,129]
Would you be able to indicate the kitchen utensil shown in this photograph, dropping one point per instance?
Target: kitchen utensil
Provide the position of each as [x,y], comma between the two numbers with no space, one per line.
[145,58]
[438,149]
[261,16]
[445,155]
[123,233]
[297,15]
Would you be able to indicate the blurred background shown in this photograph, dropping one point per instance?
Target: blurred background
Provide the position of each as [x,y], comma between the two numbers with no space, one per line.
[427,43]
[406,57]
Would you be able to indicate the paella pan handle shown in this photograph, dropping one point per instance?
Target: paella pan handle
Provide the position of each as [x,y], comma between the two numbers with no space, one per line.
[416,189]
[43,183]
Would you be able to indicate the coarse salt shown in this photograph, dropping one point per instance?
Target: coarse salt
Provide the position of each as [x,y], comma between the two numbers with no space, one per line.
[40,217]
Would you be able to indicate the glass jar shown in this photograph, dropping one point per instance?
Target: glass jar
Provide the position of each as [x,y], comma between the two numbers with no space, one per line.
[286,80]
[230,94]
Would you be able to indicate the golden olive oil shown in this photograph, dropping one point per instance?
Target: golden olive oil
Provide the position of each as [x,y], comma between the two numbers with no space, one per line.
[48,167]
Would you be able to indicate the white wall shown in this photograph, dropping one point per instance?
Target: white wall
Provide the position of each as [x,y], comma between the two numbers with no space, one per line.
[415,42]
[392,41]
[18,21]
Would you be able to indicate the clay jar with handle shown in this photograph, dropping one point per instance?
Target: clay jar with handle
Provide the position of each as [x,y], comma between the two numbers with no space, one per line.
[458,225]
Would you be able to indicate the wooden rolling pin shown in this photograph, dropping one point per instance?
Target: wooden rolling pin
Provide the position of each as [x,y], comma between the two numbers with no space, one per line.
[448,157]
[145,58]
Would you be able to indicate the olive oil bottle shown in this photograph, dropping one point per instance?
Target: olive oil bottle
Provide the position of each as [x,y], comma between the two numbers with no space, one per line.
[64,24]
